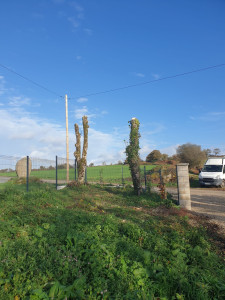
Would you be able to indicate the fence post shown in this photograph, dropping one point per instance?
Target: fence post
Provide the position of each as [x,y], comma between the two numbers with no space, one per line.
[27,173]
[122,177]
[75,164]
[183,186]
[145,177]
[86,175]
[56,171]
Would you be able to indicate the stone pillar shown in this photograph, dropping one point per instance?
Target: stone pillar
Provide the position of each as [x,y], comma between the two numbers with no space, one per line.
[21,167]
[183,186]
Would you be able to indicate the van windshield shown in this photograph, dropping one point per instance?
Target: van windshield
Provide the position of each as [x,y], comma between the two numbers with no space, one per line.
[212,168]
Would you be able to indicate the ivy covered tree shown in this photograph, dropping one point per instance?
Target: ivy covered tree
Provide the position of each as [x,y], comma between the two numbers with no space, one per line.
[132,152]
[81,160]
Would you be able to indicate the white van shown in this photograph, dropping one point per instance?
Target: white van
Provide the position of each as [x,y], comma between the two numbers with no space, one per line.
[213,172]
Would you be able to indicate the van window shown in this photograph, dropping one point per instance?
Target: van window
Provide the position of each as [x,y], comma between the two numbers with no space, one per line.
[212,168]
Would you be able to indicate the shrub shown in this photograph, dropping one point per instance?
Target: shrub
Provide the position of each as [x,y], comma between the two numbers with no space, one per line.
[154,156]
[192,154]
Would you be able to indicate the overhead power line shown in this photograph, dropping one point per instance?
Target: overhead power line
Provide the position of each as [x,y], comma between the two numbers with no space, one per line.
[150,81]
[113,89]
[30,80]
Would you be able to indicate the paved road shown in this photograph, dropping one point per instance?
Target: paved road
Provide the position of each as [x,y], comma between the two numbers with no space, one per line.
[209,202]
[4,179]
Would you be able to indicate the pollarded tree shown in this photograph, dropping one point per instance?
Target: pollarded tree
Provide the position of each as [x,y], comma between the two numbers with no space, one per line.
[81,161]
[192,154]
[154,156]
[132,152]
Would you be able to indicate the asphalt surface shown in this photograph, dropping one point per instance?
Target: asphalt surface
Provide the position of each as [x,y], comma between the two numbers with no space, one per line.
[207,201]
[4,179]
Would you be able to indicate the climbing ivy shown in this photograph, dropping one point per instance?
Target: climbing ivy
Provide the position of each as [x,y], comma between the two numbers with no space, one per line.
[132,152]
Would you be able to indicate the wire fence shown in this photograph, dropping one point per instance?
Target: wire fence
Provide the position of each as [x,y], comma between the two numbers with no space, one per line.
[55,172]
[31,168]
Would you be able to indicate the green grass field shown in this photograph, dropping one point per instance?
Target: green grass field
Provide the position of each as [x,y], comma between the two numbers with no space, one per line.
[103,174]
[95,242]
[114,174]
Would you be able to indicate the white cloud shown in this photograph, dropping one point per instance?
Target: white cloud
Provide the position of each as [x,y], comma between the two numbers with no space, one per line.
[219,113]
[105,147]
[82,100]
[77,7]
[209,117]
[156,76]
[153,128]
[25,135]
[171,150]
[74,22]
[78,57]
[145,150]
[19,101]
[80,112]
[140,75]
[88,31]
[2,85]
[83,111]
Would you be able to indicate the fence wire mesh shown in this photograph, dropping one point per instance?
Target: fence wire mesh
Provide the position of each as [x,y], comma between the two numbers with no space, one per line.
[55,171]
[8,165]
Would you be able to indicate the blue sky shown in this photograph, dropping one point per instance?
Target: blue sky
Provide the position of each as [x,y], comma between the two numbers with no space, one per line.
[83,47]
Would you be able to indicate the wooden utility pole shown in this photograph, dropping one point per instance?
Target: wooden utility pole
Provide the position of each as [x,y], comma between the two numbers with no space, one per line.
[67,143]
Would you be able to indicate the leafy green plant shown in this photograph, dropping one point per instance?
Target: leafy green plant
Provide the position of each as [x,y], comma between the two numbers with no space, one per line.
[95,242]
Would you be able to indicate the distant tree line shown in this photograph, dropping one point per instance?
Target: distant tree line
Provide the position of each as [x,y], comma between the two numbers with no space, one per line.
[186,153]
[60,166]
[6,170]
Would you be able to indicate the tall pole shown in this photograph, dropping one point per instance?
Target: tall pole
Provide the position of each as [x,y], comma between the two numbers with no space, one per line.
[67,143]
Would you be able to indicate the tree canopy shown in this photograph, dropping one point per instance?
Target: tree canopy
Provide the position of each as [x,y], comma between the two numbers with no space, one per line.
[154,156]
[192,154]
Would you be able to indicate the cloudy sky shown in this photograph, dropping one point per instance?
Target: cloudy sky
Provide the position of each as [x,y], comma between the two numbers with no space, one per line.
[81,48]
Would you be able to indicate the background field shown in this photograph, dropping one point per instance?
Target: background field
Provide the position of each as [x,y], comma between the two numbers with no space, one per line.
[104,174]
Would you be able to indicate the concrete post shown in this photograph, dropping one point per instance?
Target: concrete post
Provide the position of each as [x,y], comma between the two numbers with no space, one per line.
[183,186]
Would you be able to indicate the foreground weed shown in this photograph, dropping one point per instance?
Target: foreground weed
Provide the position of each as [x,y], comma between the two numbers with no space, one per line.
[85,243]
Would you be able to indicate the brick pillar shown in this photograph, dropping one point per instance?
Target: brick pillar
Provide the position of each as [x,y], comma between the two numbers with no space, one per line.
[183,186]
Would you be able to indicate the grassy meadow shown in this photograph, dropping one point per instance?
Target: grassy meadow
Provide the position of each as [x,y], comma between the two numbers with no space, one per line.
[104,174]
[95,242]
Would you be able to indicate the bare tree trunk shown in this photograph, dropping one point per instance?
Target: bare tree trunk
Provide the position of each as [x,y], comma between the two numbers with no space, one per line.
[132,151]
[81,161]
